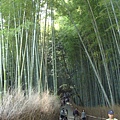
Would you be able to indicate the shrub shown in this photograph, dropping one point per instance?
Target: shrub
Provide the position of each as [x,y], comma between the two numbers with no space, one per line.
[16,106]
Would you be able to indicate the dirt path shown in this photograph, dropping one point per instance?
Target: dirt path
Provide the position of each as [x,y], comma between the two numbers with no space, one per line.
[70,111]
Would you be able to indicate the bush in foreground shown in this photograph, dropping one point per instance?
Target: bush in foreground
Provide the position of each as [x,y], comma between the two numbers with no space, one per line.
[35,107]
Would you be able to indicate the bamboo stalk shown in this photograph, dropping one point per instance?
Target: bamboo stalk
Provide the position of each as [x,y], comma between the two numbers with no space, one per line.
[1,73]
[53,53]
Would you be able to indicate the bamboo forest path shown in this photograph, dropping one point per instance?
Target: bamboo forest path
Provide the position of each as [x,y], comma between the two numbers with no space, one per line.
[70,109]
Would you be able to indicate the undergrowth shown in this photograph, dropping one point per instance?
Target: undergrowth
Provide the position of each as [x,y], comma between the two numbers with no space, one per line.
[17,106]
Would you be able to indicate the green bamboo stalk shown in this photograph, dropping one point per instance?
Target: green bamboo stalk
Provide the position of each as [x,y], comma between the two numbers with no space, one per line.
[53,53]
[1,74]
[36,45]
[7,49]
[55,61]
[1,79]
[33,49]
[37,65]
[21,44]
[17,79]
[26,42]
[3,56]
[24,54]
[40,85]
[38,49]
[45,49]
[28,67]
[4,65]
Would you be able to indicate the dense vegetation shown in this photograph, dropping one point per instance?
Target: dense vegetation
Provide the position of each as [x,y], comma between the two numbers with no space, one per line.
[18,107]
[47,43]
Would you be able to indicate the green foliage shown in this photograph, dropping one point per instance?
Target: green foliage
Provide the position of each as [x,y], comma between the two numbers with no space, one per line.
[82,17]
[64,88]
[87,30]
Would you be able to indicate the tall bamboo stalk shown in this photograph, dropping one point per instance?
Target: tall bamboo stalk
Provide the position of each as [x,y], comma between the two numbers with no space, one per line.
[53,52]
[1,71]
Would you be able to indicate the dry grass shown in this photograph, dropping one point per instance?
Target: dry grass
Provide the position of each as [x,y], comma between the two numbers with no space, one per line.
[18,107]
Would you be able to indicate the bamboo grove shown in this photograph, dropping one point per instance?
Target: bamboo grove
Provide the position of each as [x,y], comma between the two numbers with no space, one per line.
[47,43]
[25,37]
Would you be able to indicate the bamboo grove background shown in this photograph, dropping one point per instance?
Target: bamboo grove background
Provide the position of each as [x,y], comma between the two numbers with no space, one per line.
[47,43]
